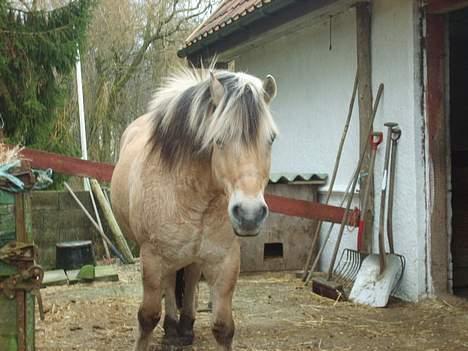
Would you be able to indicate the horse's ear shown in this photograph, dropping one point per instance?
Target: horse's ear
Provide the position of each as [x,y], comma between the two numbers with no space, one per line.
[216,89]
[269,88]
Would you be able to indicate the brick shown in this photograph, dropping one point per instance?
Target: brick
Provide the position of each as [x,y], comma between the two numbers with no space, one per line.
[45,200]
[66,201]
[46,231]
[72,218]
[37,220]
[46,237]
[46,256]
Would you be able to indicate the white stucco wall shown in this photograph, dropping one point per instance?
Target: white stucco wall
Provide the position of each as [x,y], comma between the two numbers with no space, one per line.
[315,86]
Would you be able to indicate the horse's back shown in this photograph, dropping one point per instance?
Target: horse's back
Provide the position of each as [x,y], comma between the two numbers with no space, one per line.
[132,145]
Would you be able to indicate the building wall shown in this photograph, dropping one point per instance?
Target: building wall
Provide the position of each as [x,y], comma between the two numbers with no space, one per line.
[314,89]
[292,234]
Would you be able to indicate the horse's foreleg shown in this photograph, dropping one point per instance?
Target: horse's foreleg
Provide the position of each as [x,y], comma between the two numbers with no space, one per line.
[187,316]
[170,307]
[149,313]
[223,278]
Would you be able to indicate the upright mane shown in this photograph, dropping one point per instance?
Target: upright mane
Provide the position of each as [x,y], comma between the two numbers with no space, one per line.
[187,123]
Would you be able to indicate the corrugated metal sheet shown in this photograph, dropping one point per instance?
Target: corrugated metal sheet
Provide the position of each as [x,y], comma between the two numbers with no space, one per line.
[298,178]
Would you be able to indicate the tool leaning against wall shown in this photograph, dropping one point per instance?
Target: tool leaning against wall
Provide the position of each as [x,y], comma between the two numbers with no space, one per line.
[381,273]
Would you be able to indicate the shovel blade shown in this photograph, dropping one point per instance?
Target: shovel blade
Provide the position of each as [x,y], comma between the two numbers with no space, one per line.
[372,288]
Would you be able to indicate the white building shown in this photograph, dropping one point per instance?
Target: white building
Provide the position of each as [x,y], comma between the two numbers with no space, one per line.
[416,50]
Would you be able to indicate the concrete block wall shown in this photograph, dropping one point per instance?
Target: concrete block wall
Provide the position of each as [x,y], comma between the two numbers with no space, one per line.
[284,242]
[56,218]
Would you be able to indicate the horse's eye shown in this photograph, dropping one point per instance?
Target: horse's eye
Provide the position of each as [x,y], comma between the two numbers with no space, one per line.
[219,143]
[272,140]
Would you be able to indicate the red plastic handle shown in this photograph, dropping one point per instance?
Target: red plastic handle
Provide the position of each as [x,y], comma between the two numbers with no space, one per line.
[375,139]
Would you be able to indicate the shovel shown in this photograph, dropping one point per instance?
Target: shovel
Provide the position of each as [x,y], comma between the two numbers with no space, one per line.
[379,274]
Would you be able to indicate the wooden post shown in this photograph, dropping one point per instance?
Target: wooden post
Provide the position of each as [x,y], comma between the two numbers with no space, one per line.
[364,66]
[437,139]
[114,227]
[98,218]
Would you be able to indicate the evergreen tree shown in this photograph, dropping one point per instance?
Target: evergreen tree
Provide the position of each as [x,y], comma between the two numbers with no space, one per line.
[38,49]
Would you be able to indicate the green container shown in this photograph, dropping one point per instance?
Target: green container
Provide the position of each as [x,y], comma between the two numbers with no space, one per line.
[16,315]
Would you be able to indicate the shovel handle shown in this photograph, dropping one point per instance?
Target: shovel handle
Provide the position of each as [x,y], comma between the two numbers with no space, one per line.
[396,134]
[375,139]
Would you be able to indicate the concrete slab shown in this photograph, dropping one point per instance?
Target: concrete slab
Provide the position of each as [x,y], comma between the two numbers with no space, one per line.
[55,277]
[106,274]
[101,273]
[73,276]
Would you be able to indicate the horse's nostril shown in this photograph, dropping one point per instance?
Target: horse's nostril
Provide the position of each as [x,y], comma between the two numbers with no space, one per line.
[262,213]
[236,211]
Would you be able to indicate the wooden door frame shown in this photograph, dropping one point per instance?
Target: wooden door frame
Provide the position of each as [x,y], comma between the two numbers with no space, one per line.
[436,44]
[435,41]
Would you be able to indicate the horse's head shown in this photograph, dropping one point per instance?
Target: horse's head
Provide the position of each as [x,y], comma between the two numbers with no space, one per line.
[222,119]
[241,155]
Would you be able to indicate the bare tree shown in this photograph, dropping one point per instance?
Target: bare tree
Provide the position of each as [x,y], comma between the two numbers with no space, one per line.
[131,45]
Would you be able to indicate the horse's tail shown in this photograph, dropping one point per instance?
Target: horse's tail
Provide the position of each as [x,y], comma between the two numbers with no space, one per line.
[180,288]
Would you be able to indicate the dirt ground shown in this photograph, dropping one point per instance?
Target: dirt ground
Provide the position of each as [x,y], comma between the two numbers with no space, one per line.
[272,312]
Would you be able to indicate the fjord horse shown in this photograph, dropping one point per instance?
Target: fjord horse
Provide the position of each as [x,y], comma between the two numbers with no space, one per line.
[189,180]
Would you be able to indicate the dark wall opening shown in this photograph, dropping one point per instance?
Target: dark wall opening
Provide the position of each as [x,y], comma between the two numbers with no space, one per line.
[458,39]
[272,250]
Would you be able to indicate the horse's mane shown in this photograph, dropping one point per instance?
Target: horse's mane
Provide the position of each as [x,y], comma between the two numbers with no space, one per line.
[186,123]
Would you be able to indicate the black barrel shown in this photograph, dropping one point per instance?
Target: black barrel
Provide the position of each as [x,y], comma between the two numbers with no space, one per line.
[74,254]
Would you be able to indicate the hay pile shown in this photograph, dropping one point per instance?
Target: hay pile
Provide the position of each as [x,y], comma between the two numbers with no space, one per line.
[9,154]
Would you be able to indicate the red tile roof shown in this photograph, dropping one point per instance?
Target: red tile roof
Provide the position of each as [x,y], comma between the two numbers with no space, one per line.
[228,12]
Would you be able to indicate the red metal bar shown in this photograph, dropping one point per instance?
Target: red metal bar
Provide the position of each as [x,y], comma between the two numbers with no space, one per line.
[308,209]
[69,165]
[103,172]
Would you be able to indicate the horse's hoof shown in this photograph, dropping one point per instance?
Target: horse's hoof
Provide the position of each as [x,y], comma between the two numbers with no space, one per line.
[177,341]
[185,328]
[172,348]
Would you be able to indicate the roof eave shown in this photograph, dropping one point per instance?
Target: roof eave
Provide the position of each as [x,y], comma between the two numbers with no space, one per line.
[265,11]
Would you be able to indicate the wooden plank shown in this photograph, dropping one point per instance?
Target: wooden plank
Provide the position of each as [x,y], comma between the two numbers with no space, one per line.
[6,198]
[68,165]
[119,238]
[364,63]
[444,6]
[8,333]
[437,139]
[307,209]
[30,322]
[16,224]
[21,319]
[20,218]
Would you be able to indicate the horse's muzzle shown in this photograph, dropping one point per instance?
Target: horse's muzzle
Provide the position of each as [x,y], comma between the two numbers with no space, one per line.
[247,219]
[245,234]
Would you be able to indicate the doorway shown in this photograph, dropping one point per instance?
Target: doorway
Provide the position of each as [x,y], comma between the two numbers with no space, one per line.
[458,67]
